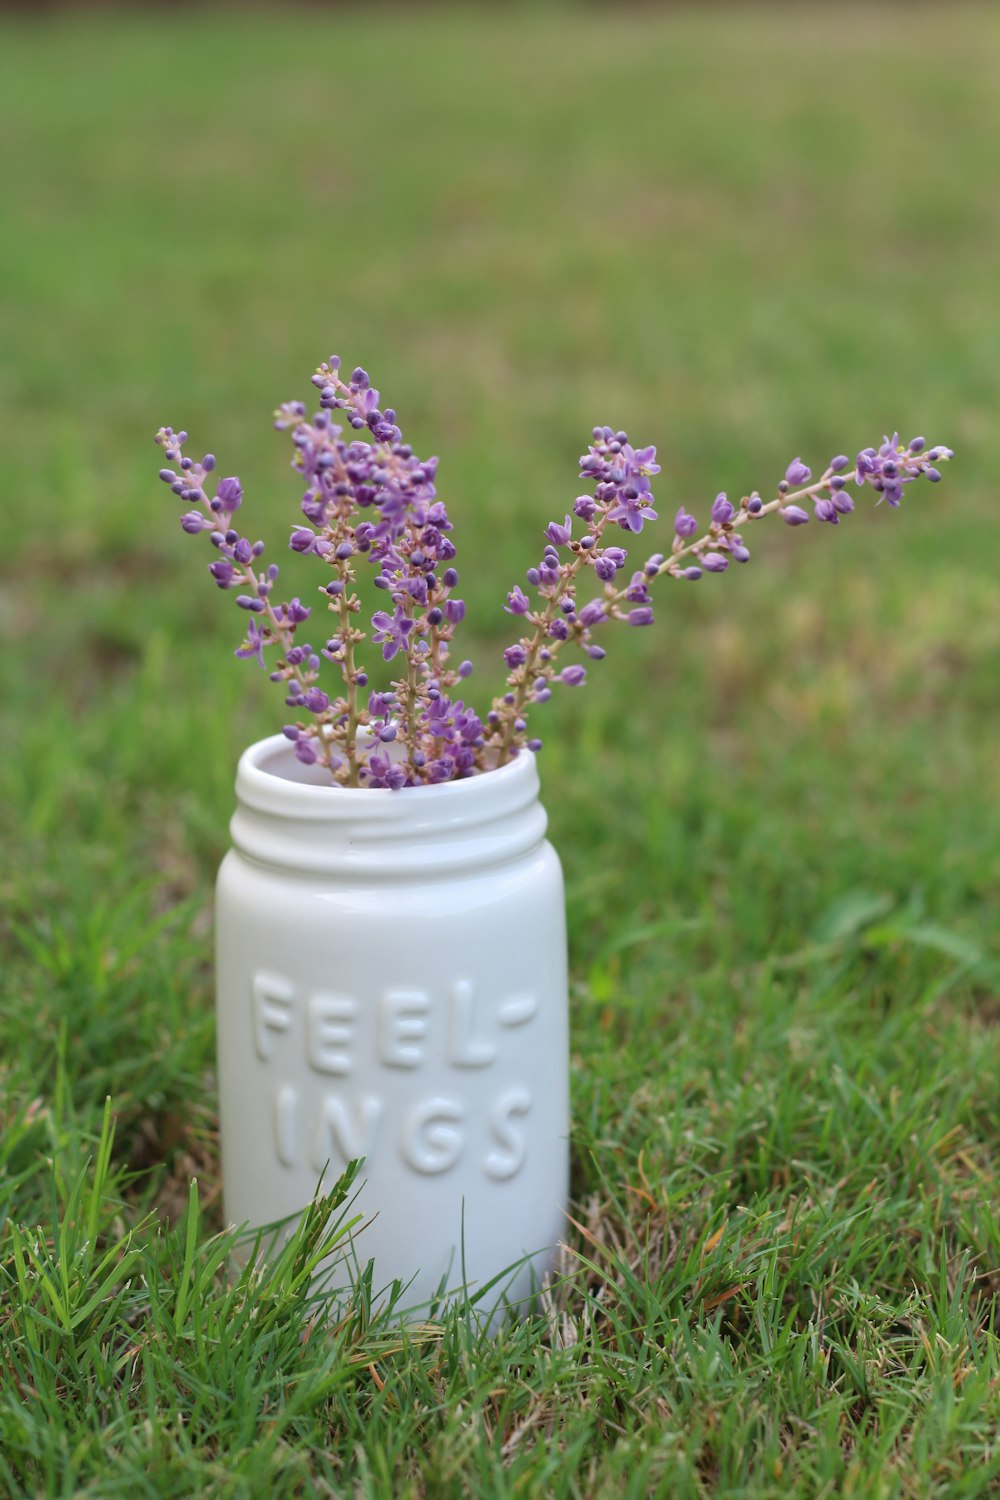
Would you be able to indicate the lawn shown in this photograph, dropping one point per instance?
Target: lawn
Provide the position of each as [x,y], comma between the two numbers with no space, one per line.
[742,234]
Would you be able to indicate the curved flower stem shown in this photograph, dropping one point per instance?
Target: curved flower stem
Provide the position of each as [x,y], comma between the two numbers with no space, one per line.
[283,636]
[742,516]
[522,676]
[349,670]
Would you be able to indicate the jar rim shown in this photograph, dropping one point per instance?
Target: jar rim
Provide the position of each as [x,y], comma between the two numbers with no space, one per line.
[269,778]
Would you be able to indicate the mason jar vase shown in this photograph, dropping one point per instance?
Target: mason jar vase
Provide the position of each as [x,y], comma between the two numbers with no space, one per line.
[392,987]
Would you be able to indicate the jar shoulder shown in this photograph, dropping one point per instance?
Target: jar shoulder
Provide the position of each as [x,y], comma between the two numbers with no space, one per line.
[244,882]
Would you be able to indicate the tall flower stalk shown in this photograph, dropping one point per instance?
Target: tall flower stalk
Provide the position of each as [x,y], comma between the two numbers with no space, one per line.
[369,498]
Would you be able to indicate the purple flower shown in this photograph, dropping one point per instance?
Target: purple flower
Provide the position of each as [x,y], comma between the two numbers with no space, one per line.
[515,656]
[222,571]
[559,535]
[391,632]
[383,774]
[194,522]
[295,611]
[573,676]
[229,494]
[638,590]
[517,602]
[253,646]
[722,510]
[641,616]
[380,705]
[642,461]
[685,524]
[633,505]
[454,610]
[715,562]
[797,472]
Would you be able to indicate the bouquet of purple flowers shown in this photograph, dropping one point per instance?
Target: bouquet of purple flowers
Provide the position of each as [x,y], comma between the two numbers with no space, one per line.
[369,498]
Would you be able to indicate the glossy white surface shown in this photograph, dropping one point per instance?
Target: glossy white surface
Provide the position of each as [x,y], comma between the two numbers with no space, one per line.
[391,981]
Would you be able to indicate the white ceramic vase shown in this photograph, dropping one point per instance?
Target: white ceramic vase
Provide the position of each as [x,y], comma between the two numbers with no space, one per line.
[391,979]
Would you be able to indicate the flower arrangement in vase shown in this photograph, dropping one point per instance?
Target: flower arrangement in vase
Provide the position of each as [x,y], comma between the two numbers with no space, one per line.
[391,954]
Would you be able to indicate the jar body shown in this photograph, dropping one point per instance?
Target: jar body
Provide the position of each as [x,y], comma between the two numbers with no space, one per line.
[409,1009]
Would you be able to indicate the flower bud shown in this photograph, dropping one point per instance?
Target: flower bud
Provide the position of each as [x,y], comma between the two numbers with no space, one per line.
[794,515]
[592,613]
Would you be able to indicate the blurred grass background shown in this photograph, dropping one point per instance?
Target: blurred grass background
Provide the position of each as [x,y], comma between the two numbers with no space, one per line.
[741,233]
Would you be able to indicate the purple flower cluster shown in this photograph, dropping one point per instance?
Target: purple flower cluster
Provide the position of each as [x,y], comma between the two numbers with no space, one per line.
[366,499]
[621,496]
[369,498]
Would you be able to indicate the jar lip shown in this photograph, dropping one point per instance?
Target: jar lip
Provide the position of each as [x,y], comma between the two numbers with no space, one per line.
[271,779]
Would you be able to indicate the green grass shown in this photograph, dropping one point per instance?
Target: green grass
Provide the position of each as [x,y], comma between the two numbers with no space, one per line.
[743,234]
